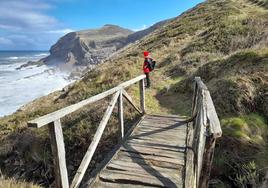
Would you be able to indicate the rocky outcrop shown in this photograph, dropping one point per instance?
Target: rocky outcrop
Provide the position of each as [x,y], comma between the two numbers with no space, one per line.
[77,51]
[86,48]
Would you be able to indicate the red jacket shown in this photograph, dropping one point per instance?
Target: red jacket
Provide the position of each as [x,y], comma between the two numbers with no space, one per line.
[145,66]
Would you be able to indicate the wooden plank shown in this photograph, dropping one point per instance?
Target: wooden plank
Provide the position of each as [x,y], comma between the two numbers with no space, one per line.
[200,83]
[151,129]
[142,96]
[154,160]
[177,142]
[167,124]
[129,163]
[103,184]
[166,144]
[178,133]
[58,152]
[129,99]
[166,134]
[214,122]
[171,127]
[190,175]
[154,145]
[167,116]
[155,127]
[144,130]
[162,123]
[121,115]
[173,175]
[44,120]
[159,131]
[157,137]
[180,143]
[88,156]
[207,162]
[205,116]
[163,118]
[111,155]
[150,151]
[139,179]
[194,99]
[133,166]
[201,123]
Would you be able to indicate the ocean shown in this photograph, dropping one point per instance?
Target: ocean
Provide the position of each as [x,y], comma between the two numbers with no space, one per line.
[18,87]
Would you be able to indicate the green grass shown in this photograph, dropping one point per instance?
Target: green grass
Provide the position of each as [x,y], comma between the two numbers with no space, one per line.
[251,128]
[242,152]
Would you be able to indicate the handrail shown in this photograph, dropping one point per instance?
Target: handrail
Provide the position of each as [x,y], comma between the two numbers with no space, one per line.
[56,135]
[206,129]
[44,120]
[214,123]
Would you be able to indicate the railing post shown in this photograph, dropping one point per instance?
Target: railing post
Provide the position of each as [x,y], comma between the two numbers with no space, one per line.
[207,162]
[194,100]
[121,115]
[142,96]
[58,151]
[94,143]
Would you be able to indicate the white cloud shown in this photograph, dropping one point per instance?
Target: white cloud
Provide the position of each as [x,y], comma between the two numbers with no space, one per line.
[8,27]
[61,31]
[23,15]
[142,28]
[5,41]
[26,25]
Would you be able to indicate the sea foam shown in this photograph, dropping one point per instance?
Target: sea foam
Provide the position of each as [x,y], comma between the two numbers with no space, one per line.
[18,87]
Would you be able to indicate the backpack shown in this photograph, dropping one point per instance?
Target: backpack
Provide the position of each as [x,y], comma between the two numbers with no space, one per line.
[150,63]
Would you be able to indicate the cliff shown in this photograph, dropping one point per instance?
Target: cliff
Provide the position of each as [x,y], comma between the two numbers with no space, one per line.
[87,47]
[84,49]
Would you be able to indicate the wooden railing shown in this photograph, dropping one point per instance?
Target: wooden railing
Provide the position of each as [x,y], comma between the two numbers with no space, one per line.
[201,137]
[202,133]
[56,135]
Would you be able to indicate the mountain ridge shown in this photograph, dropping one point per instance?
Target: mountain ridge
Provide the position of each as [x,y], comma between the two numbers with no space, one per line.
[83,49]
[86,47]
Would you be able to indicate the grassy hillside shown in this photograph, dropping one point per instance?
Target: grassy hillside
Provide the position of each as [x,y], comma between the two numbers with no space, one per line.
[223,41]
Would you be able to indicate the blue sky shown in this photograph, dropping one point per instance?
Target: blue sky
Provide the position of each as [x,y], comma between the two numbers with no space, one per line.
[37,24]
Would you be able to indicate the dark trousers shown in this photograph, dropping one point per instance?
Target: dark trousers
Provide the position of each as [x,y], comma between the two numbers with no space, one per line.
[148,82]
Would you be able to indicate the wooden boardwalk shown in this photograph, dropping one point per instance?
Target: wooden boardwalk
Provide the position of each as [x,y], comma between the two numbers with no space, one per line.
[152,156]
[162,151]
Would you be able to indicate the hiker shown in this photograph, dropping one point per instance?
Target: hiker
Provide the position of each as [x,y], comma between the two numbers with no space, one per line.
[148,66]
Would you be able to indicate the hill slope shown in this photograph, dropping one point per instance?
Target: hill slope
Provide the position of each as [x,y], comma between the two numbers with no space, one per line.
[87,47]
[84,49]
[223,41]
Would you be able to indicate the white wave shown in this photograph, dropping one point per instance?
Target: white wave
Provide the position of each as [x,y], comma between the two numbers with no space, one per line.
[42,54]
[12,58]
[23,86]
[17,58]
[27,57]
[10,67]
